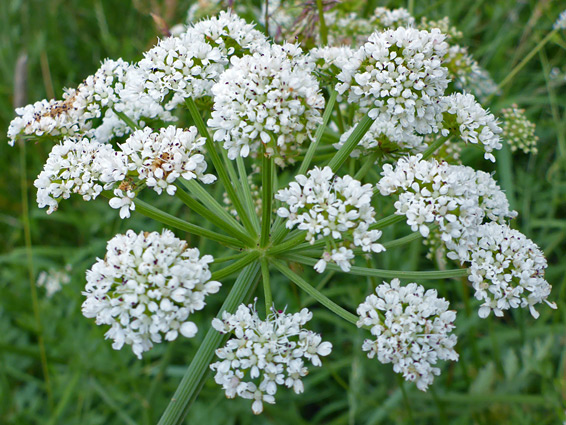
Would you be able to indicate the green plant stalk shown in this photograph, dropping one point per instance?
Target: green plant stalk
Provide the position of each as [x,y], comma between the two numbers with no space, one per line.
[370,162]
[351,143]
[212,217]
[313,292]
[217,162]
[526,59]
[129,122]
[363,271]
[323,28]
[266,198]
[196,374]
[210,202]
[30,267]
[319,132]
[219,260]
[434,146]
[235,266]
[387,221]
[248,199]
[176,223]
[288,244]
[266,283]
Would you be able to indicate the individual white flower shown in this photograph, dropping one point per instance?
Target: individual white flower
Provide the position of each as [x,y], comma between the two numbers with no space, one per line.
[97,97]
[78,166]
[412,330]
[456,197]
[465,118]
[518,131]
[160,158]
[336,208]
[54,279]
[188,65]
[265,354]
[146,288]
[398,75]
[270,97]
[560,23]
[506,270]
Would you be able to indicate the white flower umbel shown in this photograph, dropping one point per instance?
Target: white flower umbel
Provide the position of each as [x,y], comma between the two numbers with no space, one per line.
[336,208]
[465,118]
[560,23]
[506,270]
[146,288]
[160,158]
[518,131]
[270,97]
[78,166]
[188,65]
[399,77]
[456,197]
[95,98]
[263,354]
[54,279]
[412,329]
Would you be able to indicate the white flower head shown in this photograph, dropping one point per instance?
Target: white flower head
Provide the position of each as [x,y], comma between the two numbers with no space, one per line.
[337,208]
[188,65]
[398,76]
[506,270]
[160,158]
[465,118]
[146,288]
[78,166]
[265,354]
[412,330]
[560,23]
[518,131]
[270,97]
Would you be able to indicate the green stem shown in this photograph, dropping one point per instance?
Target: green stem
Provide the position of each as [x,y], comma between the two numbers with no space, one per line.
[434,146]
[30,271]
[317,295]
[387,221]
[212,217]
[319,133]
[217,162]
[129,122]
[370,161]
[197,372]
[363,271]
[211,203]
[526,59]
[351,143]
[235,266]
[176,223]
[288,244]
[323,29]
[247,192]
[266,285]
[220,260]
[266,198]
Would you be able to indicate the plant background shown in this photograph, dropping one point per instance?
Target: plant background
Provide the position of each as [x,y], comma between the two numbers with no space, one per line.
[511,370]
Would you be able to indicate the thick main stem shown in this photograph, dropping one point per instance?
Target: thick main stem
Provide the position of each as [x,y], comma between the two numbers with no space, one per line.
[196,374]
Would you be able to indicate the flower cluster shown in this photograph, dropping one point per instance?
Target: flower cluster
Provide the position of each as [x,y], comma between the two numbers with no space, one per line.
[78,166]
[412,329]
[465,118]
[336,208]
[456,197]
[506,269]
[54,279]
[100,96]
[146,288]
[518,131]
[398,76]
[265,353]
[188,65]
[160,158]
[270,97]
[560,23]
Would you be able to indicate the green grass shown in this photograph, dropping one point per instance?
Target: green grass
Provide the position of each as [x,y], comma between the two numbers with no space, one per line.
[511,370]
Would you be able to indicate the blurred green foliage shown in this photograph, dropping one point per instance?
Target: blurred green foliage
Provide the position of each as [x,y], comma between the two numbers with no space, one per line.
[511,370]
